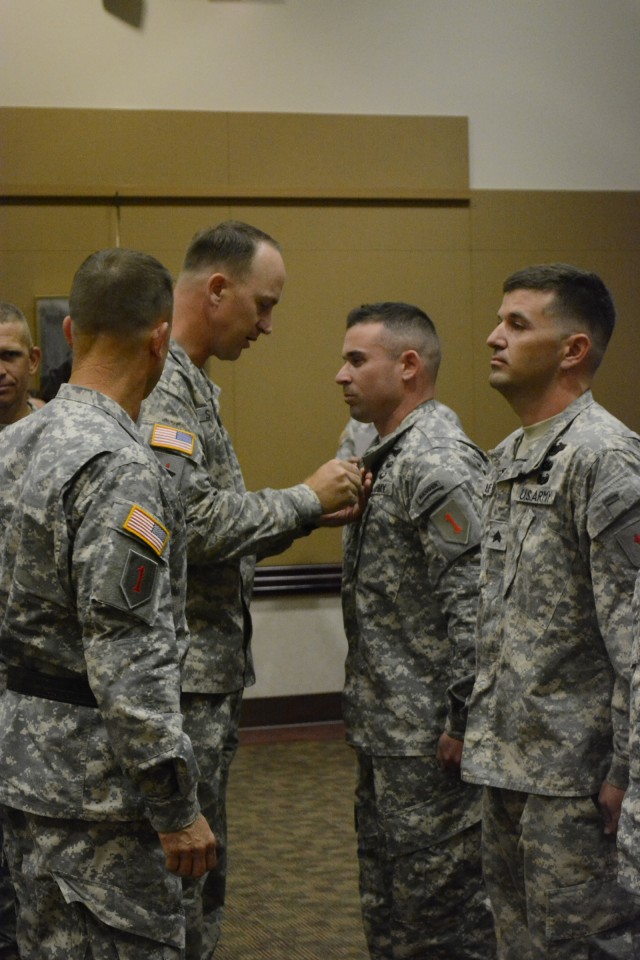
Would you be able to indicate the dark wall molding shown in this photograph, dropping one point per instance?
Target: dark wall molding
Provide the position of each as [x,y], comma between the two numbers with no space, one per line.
[291,711]
[296,579]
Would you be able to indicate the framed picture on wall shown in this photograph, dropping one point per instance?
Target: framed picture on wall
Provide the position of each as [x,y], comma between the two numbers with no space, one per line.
[55,366]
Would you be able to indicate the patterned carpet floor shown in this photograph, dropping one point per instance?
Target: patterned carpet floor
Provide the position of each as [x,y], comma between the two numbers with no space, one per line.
[292,890]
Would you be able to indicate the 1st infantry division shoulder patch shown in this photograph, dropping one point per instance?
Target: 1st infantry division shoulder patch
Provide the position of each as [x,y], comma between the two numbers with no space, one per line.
[145,526]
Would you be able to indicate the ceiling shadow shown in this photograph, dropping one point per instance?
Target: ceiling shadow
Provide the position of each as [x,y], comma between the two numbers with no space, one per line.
[131,11]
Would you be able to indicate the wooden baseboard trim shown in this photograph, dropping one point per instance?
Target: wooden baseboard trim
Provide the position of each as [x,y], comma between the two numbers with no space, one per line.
[291,711]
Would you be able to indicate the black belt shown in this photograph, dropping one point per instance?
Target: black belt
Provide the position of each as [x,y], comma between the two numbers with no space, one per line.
[74,690]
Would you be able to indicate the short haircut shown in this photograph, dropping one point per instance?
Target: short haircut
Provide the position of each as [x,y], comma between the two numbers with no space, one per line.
[409,326]
[580,298]
[120,292]
[9,313]
[232,244]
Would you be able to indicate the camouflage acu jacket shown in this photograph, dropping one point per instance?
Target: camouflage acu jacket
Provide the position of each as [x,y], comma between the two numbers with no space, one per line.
[92,558]
[409,597]
[226,526]
[628,836]
[549,710]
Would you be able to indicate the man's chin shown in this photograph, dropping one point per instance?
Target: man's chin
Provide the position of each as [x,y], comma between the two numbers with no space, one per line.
[498,381]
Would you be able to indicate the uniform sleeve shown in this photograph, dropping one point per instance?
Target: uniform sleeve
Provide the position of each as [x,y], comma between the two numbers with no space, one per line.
[612,495]
[222,524]
[121,573]
[446,510]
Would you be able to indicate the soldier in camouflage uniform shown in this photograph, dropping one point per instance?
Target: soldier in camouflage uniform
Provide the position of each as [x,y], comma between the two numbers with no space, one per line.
[409,599]
[97,778]
[231,280]
[19,360]
[548,718]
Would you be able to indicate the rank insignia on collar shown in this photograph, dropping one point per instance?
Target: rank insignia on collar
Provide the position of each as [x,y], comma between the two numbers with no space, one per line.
[145,526]
[170,438]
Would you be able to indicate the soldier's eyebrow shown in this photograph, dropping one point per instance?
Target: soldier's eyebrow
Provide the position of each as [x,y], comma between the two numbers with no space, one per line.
[354,355]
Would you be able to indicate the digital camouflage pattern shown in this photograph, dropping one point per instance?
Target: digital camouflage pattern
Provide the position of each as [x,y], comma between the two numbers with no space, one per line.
[549,710]
[410,573]
[226,528]
[354,439]
[8,946]
[226,525]
[552,900]
[421,885]
[629,828]
[548,717]
[212,722]
[102,884]
[91,584]
[409,590]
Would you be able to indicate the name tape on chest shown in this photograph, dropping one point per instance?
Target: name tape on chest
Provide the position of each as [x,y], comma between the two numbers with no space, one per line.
[170,438]
[145,526]
[536,495]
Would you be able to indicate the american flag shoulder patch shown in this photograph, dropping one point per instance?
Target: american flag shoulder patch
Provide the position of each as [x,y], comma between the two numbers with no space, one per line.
[171,438]
[145,526]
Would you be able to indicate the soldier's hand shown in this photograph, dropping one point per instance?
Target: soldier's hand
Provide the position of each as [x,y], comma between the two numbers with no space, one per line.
[349,514]
[449,753]
[337,484]
[190,852]
[610,803]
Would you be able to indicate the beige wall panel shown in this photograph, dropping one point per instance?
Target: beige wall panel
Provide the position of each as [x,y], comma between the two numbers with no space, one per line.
[519,220]
[52,227]
[183,153]
[103,152]
[372,226]
[297,154]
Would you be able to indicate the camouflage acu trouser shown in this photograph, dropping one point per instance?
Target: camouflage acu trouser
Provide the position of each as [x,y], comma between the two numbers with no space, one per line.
[420,899]
[212,722]
[96,890]
[551,876]
[8,946]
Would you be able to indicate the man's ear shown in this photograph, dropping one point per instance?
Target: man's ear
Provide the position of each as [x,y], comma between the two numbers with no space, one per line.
[34,359]
[411,364]
[67,329]
[159,340]
[216,285]
[577,349]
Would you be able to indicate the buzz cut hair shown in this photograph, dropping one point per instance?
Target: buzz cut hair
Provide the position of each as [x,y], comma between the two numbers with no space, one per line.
[231,244]
[409,328]
[120,292]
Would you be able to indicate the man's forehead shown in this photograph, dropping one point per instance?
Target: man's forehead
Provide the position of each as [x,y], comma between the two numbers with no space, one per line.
[13,337]
[365,337]
[524,300]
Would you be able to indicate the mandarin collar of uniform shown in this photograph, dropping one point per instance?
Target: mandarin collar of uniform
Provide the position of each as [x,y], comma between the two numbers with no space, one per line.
[197,375]
[381,446]
[93,398]
[504,456]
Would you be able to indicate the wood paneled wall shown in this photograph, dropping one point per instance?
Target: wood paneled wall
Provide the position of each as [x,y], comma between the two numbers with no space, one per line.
[366,208]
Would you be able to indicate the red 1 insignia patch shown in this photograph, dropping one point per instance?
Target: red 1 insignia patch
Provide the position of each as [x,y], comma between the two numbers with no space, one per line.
[138,579]
[451,523]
